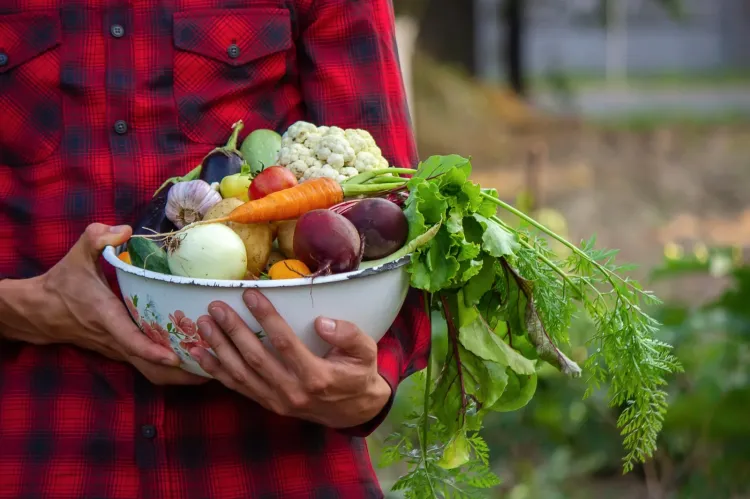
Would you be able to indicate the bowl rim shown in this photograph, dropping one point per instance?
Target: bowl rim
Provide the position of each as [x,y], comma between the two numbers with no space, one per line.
[110,255]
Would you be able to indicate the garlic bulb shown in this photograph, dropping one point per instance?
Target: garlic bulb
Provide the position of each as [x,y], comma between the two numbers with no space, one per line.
[188,202]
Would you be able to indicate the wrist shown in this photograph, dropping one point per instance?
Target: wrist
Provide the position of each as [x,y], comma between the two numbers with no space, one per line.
[380,393]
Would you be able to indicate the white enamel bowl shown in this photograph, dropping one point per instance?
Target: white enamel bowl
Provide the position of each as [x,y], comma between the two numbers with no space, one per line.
[166,307]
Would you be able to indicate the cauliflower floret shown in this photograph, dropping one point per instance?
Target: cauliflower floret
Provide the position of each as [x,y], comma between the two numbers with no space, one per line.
[365,161]
[334,144]
[312,172]
[356,140]
[313,140]
[299,131]
[328,171]
[382,162]
[299,168]
[286,141]
[336,160]
[349,172]
[293,153]
[334,130]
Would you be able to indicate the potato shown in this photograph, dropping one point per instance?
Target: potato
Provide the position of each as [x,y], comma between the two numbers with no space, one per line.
[276,256]
[285,236]
[258,238]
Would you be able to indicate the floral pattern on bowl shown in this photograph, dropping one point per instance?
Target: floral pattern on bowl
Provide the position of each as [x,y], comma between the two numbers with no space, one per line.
[179,332]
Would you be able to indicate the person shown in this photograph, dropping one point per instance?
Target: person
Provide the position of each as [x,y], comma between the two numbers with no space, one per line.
[100,104]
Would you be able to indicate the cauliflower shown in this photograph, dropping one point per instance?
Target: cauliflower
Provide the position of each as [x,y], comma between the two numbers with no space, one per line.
[310,151]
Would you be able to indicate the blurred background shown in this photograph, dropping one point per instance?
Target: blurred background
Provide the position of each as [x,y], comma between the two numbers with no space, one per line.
[628,119]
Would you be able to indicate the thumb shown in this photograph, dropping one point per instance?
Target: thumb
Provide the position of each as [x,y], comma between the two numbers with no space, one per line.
[347,337]
[98,236]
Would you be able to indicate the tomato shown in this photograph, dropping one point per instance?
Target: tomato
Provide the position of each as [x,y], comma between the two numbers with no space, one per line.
[272,179]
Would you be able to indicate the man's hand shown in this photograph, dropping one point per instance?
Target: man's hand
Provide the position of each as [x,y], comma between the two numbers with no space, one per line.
[341,390]
[72,303]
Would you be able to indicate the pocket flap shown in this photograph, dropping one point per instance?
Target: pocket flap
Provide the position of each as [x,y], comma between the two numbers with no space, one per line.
[233,36]
[25,36]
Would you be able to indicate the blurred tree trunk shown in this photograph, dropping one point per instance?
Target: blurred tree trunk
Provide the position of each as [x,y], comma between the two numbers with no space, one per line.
[515,24]
[446,32]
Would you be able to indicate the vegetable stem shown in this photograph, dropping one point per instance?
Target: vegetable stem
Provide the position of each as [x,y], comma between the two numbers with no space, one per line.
[426,401]
[359,189]
[191,175]
[232,142]
[605,271]
[365,176]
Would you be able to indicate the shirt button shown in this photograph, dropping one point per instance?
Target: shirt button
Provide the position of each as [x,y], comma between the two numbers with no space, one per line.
[121,127]
[148,431]
[117,30]
[3,58]
[233,51]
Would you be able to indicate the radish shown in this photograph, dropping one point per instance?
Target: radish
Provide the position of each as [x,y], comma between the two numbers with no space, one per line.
[381,224]
[327,243]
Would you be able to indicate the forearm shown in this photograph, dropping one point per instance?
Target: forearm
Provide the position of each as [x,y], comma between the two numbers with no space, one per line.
[16,297]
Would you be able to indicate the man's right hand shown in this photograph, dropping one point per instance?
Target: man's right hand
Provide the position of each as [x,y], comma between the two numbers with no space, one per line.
[73,304]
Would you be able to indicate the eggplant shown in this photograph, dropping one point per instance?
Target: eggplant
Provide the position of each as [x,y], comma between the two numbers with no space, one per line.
[154,218]
[223,161]
[216,165]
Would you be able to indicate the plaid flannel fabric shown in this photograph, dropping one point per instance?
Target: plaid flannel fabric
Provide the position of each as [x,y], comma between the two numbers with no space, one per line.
[100,101]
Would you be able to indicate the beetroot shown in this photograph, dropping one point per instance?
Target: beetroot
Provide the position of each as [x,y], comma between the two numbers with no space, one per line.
[327,242]
[381,224]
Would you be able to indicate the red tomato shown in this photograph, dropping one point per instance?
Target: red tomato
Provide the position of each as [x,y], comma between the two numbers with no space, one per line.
[272,179]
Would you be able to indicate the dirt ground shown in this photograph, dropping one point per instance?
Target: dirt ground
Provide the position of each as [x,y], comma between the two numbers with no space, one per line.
[636,190]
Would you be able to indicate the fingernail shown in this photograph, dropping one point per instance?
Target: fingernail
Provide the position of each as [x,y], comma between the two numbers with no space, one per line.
[118,229]
[251,299]
[167,361]
[327,325]
[205,329]
[217,313]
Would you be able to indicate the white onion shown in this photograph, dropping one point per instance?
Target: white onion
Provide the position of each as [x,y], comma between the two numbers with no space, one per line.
[211,251]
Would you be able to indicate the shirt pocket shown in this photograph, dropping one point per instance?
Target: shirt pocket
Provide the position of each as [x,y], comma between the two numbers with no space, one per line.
[225,61]
[30,96]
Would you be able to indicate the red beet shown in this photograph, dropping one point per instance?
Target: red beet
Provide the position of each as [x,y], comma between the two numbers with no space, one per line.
[327,242]
[381,224]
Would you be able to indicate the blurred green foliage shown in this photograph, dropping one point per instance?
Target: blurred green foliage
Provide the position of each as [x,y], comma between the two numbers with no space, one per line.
[560,447]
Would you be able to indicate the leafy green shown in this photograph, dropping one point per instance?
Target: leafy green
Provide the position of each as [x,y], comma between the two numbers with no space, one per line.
[508,302]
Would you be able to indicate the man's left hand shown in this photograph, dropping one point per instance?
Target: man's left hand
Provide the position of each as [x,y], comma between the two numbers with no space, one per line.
[341,390]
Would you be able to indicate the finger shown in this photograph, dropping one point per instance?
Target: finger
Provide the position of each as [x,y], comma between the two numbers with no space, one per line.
[213,366]
[349,338]
[115,319]
[246,366]
[98,236]
[294,353]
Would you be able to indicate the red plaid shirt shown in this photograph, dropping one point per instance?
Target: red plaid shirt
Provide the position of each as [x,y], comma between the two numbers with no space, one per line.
[100,101]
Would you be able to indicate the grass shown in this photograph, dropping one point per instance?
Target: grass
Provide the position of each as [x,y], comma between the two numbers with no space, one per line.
[653,81]
[650,120]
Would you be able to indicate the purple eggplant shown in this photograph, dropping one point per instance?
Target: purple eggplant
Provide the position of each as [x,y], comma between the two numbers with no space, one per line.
[223,161]
[154,218]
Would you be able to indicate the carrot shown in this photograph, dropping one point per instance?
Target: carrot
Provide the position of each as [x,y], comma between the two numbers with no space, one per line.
[288,204]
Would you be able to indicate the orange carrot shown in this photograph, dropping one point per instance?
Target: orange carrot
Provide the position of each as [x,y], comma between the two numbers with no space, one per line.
[287,204]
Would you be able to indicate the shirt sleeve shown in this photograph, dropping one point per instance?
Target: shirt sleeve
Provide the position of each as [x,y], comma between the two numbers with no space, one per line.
[351,78]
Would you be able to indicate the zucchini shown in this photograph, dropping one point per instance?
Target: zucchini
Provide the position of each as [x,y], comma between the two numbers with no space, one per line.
[146,254]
